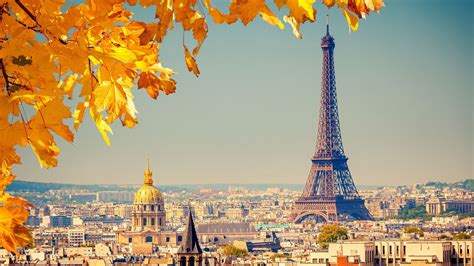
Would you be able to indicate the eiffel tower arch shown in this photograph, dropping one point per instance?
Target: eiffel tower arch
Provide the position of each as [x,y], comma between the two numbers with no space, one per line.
[330,193]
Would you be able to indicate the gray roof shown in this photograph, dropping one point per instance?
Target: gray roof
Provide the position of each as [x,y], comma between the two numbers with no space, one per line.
[226,228]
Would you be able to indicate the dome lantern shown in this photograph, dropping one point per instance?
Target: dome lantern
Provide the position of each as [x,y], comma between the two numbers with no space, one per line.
[147,194]
[148,176]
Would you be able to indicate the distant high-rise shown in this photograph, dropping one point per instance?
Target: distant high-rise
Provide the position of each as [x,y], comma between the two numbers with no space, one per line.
[330,192]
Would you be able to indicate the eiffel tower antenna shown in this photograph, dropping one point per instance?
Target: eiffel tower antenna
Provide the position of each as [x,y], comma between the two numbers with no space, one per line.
[327,23]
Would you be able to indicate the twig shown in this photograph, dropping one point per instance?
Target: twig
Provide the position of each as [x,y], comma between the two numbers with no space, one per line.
[27,11]
[5,76]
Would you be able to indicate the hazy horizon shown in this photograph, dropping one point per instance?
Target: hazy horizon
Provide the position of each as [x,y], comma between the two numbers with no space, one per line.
[219,184]
[404,84]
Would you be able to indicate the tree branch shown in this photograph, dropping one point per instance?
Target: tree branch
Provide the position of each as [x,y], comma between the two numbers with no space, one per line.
[27,11]
[5,76]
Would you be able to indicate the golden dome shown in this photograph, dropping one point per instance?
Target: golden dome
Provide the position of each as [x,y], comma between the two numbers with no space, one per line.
[147,194]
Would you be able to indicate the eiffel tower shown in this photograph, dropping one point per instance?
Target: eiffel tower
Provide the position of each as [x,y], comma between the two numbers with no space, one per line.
[330,193]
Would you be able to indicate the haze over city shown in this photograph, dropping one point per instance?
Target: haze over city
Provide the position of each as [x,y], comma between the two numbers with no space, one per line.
[404,91]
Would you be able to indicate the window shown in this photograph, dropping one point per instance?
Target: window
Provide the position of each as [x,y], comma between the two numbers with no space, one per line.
[376,250]
[149,239]
[144,221]
[152,221]
[383,250]
[180,238]
[167,239]
[404,249]
[159,208]
[144,207]
[390,250]
[159,221]
[152,207]
[129,240]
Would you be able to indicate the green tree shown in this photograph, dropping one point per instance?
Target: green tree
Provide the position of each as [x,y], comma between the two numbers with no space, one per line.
[415,213]
[278,255]
[413,229]
[461,236]
[232,250]
[331,233]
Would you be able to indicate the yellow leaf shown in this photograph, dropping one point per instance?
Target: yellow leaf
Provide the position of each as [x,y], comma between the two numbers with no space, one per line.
[246,10]
[111,97]
[79,114]
[295,25]
[329,3]
[67,85]
[149,82]
[150,33]
[51,115]
[123,54]
[301,10]
[270,18]
[280,3]
[12,233]
[191,62]
[199,33]
[352,20]
[374,5]
[6,178]
[44,147]
[102,126]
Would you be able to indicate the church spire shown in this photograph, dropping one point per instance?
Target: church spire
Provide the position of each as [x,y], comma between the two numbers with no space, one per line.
[190,244]
[148,179]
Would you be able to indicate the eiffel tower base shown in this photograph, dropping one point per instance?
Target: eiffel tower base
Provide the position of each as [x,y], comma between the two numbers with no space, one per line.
[330,209]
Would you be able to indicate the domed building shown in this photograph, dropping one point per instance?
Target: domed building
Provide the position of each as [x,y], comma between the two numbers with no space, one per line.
[148,220]
[148,206]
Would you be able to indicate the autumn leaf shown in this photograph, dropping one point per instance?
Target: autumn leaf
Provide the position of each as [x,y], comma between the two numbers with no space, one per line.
[295,25]
[352,20]
[6,177]
[191,62]
[302,10]
[13,233]
[102,126]
[329,3]
[149,82]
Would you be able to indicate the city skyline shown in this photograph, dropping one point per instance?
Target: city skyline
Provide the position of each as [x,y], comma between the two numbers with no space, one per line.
[428,138]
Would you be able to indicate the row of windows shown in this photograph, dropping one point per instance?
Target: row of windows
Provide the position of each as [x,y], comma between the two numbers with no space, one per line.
[460,250]
[390,250]
[152,207]
[405,250]
[152,221]
[149,239]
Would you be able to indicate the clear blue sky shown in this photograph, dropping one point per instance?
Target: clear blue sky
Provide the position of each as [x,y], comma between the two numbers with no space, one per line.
[405,88]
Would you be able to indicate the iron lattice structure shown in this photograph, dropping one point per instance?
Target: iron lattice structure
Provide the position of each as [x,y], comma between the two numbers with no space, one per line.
[330,191]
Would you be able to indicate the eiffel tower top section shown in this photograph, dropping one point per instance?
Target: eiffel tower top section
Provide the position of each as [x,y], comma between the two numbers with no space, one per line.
[329,143]
[328,40]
